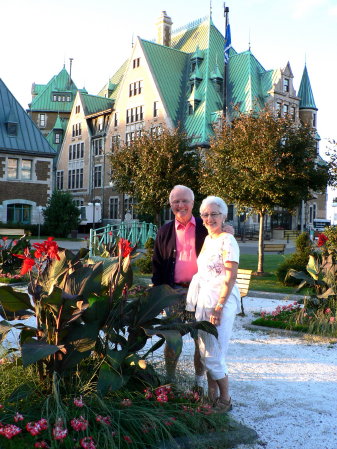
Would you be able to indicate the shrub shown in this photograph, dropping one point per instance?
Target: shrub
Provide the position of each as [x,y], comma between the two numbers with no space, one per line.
[61,214]
[144,264]
[296,261]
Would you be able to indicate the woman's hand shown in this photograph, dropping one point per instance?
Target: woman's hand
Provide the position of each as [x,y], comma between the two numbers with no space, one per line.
[215,317]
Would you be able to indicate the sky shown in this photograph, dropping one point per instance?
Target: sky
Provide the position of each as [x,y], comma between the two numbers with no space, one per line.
[39,36]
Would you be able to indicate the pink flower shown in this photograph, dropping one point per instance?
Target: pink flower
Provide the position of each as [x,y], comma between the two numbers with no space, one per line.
[41,444]
[332,319]
[79,402]
[35,428]
[126,402]
[18,417]
[9,431]
[162,398]
[87,443]
[327,310]
[104,419]
[59,433]
[127,439]
[79,423]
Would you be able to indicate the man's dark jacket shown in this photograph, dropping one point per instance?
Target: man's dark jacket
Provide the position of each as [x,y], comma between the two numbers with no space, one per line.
[164,254]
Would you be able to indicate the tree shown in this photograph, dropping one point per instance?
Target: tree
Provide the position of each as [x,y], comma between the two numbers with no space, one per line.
[261,161]
[61,214]
[152,165]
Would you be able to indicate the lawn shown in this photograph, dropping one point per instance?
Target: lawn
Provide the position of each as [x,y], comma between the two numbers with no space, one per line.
[268,282]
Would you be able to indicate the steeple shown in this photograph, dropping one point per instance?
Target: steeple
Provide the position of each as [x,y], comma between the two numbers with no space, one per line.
[305,92]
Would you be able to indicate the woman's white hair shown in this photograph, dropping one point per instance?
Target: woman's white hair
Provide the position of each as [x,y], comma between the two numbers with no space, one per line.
[217,201]
[180,187]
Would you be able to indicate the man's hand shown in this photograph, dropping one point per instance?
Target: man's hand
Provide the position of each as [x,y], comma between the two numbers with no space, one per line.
[228,228]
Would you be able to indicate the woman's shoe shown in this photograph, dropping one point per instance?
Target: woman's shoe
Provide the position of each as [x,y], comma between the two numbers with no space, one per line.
[221,405]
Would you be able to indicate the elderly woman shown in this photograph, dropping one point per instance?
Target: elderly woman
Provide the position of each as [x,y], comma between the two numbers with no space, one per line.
[215,297]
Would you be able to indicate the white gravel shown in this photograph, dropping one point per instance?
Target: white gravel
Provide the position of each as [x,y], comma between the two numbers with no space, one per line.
[282,386]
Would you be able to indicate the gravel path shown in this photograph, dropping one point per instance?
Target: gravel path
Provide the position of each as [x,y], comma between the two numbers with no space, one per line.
[284,387]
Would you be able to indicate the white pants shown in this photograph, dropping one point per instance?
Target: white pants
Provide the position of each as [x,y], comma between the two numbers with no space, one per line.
[213,350]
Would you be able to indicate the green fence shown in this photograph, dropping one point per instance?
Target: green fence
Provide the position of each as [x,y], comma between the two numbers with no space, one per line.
[136,232]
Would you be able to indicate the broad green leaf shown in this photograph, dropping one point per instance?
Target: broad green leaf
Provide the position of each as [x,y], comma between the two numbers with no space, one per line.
[98,309]
[32,352]
[312,267]
[5,327]
[109,379]
[73,358]
[154,347]
[13,300]
[85,281]
[172,337]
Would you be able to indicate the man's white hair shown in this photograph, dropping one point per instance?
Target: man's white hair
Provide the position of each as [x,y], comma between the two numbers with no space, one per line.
[180,187]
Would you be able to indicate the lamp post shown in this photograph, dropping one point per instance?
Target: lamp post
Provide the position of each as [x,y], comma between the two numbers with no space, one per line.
[39,223]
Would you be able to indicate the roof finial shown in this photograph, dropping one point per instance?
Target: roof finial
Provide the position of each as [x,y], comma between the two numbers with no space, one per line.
[132,43]
[210,8]
[249,39]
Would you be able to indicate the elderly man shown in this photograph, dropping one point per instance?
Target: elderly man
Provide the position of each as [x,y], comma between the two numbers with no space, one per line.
[174,262]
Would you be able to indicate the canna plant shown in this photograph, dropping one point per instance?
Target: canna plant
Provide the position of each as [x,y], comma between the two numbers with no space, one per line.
[81,317]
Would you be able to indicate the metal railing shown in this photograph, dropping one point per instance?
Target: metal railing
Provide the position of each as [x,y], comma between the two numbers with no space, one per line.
[136,232]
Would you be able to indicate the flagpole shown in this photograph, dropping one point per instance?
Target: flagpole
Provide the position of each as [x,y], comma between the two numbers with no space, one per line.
[225,93]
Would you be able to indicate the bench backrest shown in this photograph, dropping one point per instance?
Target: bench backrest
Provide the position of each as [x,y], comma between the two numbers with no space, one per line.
[243,280]
[8,231]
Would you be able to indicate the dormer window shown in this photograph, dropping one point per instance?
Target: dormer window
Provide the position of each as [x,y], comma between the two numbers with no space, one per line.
[12,129]
[286,85]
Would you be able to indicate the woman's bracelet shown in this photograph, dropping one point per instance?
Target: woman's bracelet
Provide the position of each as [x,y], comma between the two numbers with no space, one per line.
[219,304]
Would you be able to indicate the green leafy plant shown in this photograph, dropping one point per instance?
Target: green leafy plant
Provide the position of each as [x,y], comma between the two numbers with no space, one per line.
[8,247]
[61,214]
[144,263]
[82,311]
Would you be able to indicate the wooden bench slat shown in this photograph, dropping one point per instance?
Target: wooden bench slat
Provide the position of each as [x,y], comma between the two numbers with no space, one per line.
[243,281]
[5,231]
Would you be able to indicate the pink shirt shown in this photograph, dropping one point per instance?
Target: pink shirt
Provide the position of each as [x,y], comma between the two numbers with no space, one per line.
[186,257]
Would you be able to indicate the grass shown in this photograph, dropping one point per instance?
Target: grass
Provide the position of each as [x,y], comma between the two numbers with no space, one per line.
[268,282]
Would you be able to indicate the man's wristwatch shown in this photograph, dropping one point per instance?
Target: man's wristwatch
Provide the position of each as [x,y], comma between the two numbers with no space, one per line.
[219,304]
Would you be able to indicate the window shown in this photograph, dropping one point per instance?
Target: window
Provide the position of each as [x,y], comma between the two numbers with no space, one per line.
[129,207]
[57,137]
[136,63]
[113,209]
[26,169]
[98,176]
[314,121]
[13,168]
[190,109]
[59,180]
[156,131]
[42,120]
[293,112]
[278,109]
[129,137]
[230,214]
[12,129]
[78,109]
[116,119]
[155,108]
[115,141]
[285,110]
[19,213]
[98,147]
[75,178]
[286,85]
[134,114]
[62,96]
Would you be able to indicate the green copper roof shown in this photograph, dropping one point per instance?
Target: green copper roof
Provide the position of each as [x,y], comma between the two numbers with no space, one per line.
[169,68]
[198,54]
[247,81]
[216,74]
[196,75]
[111,89]
[60,85]
[93,104]
[28,138]
[305,92]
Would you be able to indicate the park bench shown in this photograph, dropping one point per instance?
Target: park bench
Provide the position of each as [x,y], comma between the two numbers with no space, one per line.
[290,234]
[243,281]
[11,232]
[274,247]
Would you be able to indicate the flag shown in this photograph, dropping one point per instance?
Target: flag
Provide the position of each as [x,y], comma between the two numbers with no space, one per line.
[228,43]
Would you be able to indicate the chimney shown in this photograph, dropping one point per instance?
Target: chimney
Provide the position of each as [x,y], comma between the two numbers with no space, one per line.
[164,26]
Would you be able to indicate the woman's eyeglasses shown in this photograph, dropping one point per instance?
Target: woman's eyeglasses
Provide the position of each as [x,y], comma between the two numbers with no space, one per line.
[212,215]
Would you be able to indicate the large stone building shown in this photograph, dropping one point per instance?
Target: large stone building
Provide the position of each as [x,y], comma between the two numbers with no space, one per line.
[26,160]
[177,80]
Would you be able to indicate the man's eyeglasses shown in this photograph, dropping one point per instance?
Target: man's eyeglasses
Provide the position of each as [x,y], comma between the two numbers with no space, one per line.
[212,215]
[176,202]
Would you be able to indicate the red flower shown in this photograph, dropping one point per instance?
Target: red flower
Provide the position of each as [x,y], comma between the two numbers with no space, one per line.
[47,248]
[127,439]
[79,423]
[124,247]
[4,238]
[28,261]
[322,239]
[87,443]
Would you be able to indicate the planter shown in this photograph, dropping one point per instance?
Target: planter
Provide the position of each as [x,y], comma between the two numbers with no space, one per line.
[278,234]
